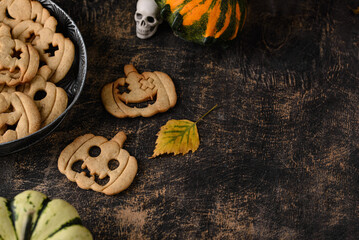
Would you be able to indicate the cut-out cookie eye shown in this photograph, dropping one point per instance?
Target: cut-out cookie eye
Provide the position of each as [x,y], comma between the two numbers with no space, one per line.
[123,89]
[95,151]
[51,50]
[16,54]
[41,94]
[113,164]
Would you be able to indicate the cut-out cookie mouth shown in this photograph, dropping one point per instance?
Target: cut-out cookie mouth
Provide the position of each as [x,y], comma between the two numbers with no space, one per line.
[14,74]
[142,104]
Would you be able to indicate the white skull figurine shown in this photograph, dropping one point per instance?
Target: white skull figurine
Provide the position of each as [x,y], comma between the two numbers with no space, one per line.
[147,18]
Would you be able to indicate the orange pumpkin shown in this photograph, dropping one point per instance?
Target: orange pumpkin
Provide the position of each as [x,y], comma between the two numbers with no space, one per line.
[204,21]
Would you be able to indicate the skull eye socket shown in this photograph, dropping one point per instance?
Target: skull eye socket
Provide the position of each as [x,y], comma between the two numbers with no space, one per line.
[138,15]
[150,19]
[94,151]
[113,164]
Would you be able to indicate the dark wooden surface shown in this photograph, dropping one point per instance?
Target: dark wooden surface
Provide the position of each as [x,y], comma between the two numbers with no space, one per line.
[279,157]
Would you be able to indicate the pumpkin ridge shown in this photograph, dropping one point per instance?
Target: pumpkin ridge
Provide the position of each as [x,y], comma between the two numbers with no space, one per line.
[205,21]
[9,209]
[196,13]
[9,205]
[224,20]
[43,206]
[27,233]
[33,215]
[175,4]
[72,222]
[190,5]
[212,18]
[230,32]
[238,19]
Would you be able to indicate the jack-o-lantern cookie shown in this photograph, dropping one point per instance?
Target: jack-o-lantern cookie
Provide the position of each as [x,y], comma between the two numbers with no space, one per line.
[155,86]
[54,49]
[14,11]
[39,14]
[19,116]
[50,99]
[19,62]
[103,159]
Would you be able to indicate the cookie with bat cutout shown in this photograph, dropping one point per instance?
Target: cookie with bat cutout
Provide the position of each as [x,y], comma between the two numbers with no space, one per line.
[19,116]
[140,88]
[99,156]
[19,62]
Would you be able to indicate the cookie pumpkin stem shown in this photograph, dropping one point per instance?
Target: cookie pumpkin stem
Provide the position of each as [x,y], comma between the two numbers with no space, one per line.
[120,138]
[206,114]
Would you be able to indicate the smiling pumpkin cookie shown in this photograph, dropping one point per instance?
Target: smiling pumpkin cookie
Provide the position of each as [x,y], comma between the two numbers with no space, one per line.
[100,165]
[19,116]
[139,88]
[19,62]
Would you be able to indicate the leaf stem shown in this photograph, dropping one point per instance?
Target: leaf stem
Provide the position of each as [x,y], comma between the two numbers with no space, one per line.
[206,114]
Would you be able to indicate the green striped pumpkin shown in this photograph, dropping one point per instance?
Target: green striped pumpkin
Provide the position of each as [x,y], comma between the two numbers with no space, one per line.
[204,21]
[32,215]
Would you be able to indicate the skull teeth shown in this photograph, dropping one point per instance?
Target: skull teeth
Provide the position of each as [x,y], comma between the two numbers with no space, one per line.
[143,31]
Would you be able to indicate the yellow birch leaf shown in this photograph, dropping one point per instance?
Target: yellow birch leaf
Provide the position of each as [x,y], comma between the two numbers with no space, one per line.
[356,11]
[178,136]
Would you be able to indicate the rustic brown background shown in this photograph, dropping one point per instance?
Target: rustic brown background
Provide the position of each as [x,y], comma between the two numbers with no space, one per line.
[279,157]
